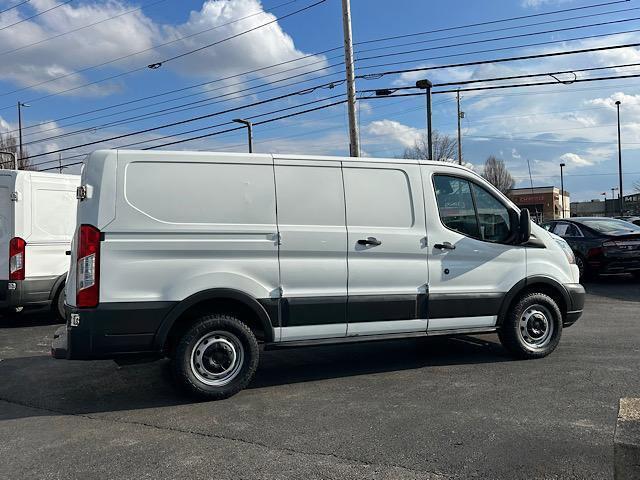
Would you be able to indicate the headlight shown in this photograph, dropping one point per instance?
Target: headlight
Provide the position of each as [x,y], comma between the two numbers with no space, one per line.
[566,249]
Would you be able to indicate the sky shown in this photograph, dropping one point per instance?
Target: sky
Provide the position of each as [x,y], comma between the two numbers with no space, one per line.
[81,66]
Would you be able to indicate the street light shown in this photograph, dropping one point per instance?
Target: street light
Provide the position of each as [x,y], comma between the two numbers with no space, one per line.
[426,85]
[15,159]
[562,165]
[620,160]
[249,126]
[20,105]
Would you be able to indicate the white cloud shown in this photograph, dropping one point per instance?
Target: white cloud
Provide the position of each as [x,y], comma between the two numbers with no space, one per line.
[135,32]
[385,131]
[540,3]
[573,159]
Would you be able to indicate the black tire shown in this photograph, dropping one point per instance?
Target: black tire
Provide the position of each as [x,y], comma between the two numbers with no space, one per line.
[57,305]
[521,331]
[213,345]
[585,273]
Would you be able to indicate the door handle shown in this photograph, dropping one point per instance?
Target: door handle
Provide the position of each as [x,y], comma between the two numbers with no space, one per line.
[369,241]
[445,246]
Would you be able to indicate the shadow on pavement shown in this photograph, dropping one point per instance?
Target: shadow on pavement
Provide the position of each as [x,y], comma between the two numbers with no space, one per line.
[77,387]
[617,287]
[29,318]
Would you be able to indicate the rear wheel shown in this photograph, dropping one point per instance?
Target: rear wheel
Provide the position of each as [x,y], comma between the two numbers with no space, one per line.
[57,306]
[533,327]
[216,357]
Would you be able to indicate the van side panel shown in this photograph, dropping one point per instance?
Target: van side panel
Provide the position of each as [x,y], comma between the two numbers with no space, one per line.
[184,223]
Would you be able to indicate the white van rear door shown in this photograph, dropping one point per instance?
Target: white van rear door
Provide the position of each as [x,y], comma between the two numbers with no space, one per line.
[387,257]
[6,223]
[53,220]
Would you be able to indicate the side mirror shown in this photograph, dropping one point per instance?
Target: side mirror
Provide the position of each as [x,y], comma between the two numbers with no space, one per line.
[524,226]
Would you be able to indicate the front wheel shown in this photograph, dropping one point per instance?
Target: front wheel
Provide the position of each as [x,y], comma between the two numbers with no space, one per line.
[533,327]
[216,357]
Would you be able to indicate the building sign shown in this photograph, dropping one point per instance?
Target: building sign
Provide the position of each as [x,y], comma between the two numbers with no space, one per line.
[529,199]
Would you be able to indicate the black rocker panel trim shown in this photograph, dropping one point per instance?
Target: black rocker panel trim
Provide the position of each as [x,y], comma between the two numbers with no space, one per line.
[377,308]
[303,311]
[452,305]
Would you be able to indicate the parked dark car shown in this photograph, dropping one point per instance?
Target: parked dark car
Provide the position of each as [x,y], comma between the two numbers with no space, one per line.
[634,220]
[601,245]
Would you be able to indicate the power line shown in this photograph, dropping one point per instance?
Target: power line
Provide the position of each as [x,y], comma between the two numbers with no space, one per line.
[188,120]
[187,106]
[229,77]
[14,6]
[369,41]
[190,52]
[108,62]
[36,14]
[493,30]
[497,60]
[508,37]
[146,5]
[479,24]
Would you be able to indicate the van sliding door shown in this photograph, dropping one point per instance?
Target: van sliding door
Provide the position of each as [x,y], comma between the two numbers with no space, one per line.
[387,255]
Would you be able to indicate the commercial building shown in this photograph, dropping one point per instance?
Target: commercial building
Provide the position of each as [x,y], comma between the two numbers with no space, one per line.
[606,208]
[544,203]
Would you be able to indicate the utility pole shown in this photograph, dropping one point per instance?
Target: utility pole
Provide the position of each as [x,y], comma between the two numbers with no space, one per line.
[60,162]
[620,162]
[20,130]
[460,117]
[562,165]
[426,85]
[354,138]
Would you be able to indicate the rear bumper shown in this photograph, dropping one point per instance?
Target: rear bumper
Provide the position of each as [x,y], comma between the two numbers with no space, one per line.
[27,292]
[622,264]
[575,305]
[110,330]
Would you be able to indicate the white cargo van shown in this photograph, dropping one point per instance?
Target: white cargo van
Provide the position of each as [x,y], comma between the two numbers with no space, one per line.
[203,256]
[37,221]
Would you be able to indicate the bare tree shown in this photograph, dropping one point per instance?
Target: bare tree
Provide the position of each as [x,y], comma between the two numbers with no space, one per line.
[9,143]
[636,186]
[496,173]
[444,148]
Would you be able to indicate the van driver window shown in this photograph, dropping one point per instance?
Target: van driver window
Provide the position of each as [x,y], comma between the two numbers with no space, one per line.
[458,212]
[492,215]
[455,205]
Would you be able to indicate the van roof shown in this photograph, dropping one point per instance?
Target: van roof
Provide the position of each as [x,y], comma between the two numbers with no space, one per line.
[291,157]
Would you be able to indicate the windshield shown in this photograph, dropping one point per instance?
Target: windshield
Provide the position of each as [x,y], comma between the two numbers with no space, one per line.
[610,225]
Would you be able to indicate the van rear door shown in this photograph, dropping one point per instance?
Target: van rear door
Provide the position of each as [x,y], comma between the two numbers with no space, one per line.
[7,182]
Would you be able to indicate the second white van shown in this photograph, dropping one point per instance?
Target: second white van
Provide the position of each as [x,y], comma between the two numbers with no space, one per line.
[203,257]
[37,221]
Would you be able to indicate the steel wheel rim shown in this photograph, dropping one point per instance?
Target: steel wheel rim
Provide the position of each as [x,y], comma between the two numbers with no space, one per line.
[216,358]
[536,327]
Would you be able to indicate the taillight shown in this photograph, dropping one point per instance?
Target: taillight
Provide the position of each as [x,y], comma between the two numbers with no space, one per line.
[16,258]
[88,266]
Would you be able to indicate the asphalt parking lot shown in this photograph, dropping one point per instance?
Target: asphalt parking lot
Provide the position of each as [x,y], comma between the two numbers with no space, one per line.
[432,408]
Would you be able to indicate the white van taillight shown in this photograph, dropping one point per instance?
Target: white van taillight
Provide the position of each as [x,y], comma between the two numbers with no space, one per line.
[16,258]
[88,266]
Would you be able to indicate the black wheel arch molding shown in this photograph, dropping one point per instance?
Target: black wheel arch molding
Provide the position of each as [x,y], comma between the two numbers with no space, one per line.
[263,317]
[59,283]
[572,296]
